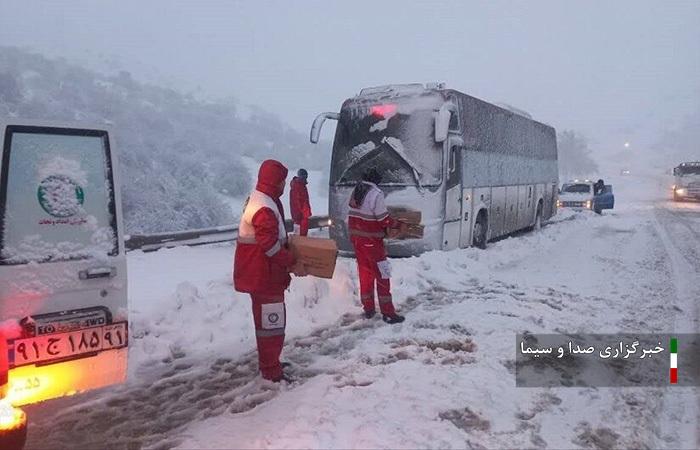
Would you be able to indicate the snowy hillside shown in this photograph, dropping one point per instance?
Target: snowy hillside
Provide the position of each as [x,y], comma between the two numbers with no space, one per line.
[443,379]
[178,154]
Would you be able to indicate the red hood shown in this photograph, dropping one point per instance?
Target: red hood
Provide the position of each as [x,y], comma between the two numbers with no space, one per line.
[271,178]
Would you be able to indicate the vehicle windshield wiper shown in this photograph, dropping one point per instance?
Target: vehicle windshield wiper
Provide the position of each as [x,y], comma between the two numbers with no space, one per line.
[397,147]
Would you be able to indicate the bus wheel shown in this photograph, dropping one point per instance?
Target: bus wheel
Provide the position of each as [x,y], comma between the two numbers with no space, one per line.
[13,428]
[479,239]
[538,218]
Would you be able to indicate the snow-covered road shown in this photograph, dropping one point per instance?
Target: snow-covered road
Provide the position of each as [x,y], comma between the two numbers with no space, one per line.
[443,379]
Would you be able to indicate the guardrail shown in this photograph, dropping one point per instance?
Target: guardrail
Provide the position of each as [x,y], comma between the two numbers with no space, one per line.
[202,236]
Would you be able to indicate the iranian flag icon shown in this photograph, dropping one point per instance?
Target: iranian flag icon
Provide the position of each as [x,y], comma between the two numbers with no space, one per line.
[674,361]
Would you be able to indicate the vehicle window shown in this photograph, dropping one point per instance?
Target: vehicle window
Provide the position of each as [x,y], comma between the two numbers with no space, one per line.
[396,137]
[57,200]
[454,119]
[689,169]
[577,188]
[454,167]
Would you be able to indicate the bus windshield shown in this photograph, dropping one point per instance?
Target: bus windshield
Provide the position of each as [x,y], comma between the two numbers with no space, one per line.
[400,143]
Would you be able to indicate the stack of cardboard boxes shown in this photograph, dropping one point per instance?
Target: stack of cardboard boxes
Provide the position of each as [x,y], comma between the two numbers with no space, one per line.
[411,219]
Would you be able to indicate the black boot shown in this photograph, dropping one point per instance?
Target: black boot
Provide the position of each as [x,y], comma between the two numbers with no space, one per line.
[393,318]
[284,378]
[369,314]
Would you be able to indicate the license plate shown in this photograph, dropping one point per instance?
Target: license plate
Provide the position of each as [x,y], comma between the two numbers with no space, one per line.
[71,344]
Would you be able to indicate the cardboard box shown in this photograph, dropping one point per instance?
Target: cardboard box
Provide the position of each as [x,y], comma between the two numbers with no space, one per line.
[405,215]
[317,254]
[413,230]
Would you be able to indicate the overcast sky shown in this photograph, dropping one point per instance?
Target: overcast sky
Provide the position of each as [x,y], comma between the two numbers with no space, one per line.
[618,71]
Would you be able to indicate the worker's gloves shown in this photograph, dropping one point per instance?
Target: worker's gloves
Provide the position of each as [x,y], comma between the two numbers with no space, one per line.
[299,269]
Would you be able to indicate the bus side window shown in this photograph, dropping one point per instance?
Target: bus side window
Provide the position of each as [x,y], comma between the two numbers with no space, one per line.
[454,121]
[454,124]
[455,162]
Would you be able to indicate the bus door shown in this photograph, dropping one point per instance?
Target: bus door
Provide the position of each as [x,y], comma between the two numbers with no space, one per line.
[63,285]
[453,198]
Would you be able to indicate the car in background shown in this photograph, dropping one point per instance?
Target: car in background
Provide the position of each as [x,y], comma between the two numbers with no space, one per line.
[686,181]
[625,172]
[586,194]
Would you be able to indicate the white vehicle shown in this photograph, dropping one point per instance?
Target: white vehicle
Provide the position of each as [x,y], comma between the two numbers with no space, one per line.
[63,284]
[582,194]
[475,170]
[686,181]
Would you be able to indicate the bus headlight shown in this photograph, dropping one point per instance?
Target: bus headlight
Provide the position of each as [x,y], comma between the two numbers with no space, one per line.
[559,204]
[589,204]
[681,191]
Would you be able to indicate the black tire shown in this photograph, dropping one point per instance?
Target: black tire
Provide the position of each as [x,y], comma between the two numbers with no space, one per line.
[597,210]
[538,218]
[480,229]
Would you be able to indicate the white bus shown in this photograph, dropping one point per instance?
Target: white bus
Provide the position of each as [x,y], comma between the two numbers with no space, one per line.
[63,285]
[475,170]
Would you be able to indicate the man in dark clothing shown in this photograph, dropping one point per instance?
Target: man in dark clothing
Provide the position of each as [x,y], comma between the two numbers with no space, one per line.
[598,187]
[299,202]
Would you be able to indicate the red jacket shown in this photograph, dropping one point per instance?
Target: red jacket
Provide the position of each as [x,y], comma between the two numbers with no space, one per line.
[369,218]
[299,200]
[262,262]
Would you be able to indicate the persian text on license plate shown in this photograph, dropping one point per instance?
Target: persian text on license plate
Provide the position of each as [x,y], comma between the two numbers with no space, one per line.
[65,345]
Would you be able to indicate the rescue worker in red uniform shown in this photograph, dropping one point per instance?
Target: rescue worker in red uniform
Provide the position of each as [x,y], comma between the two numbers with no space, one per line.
[368,220]
[262,265]
[299,204]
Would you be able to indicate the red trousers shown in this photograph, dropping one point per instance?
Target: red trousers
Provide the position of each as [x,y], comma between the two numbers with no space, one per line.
[369,252]
[269,315]
[303,226]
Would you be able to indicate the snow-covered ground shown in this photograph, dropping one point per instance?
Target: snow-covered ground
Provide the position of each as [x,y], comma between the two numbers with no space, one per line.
[443,379]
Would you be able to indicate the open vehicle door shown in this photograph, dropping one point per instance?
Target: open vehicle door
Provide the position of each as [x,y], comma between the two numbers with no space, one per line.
[606,199]
[63,285]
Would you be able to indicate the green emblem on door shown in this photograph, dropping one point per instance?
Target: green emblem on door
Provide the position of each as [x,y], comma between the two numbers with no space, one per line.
[60,196]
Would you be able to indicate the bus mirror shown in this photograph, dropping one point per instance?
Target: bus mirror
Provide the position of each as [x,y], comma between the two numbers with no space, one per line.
[318,124]
[442,123]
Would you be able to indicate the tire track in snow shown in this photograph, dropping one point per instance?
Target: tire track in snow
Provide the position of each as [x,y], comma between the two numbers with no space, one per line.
[685,267]
[149,415]
[153,414]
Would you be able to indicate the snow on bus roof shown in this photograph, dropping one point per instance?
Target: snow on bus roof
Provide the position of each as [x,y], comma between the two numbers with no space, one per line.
[514,110]
[399,89]
[394,88]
